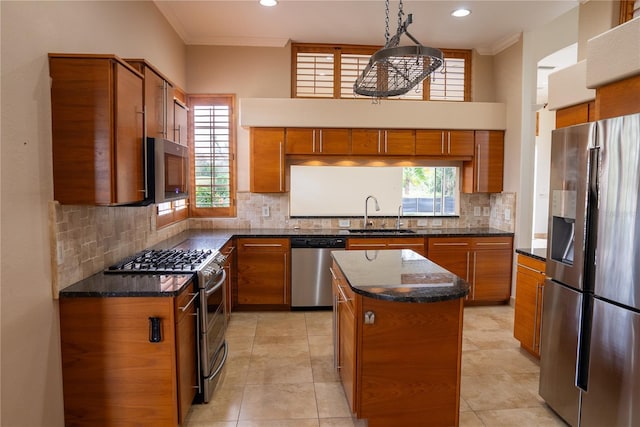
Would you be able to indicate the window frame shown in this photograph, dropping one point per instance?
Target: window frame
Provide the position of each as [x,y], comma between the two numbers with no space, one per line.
[456,193]
[338,49]
[213,99]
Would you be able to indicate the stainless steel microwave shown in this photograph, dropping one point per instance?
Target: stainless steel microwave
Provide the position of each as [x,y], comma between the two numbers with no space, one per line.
[167,170]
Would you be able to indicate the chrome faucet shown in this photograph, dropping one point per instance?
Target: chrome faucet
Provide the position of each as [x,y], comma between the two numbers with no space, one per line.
[398,223]
[366,210]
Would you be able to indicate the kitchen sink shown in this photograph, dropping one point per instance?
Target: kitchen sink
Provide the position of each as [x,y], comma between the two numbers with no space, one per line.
[380,230]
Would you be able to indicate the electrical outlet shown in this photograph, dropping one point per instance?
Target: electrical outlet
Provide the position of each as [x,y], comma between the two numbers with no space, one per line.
[437,222]
[476,211]
[422,223]
[507,214]
[344,223]
[486,211]
[265,211]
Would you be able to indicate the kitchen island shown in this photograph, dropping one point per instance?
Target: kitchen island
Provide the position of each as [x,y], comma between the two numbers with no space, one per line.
[398,337]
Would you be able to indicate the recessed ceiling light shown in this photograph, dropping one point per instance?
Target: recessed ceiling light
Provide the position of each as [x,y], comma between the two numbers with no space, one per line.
[269,2]
[459,13]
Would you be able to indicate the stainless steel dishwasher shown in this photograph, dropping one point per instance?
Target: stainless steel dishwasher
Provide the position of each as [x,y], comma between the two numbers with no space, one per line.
[310,275]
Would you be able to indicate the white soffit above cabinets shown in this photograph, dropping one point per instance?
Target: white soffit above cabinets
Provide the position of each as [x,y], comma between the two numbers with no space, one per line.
[491,26]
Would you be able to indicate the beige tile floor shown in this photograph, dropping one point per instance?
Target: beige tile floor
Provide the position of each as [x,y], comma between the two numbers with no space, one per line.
[280,374]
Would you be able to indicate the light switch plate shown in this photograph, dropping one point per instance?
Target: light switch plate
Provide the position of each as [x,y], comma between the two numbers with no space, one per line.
[437,222]
[265,211]
[486,211]
[422,223]
[344,223]
[476,211]
[507,214]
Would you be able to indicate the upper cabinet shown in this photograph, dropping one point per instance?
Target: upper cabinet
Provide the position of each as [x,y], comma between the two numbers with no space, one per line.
[375,142]
[267,160]
[454,143]
[317,141]
[484,174]
[180,122]
[97,129]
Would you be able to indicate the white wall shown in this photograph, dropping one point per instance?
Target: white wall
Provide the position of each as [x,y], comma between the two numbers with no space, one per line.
[31,393]
[547,122]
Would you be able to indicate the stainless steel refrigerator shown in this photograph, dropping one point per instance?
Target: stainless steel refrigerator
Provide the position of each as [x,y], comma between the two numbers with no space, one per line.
[590,345]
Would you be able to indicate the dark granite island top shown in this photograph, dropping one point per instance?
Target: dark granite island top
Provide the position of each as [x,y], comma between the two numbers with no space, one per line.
[399,275]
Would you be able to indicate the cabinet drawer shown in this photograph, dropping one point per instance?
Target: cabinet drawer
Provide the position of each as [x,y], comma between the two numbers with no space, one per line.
[488,243]
[448,243]
[185,302]
[531,263]
[263,245]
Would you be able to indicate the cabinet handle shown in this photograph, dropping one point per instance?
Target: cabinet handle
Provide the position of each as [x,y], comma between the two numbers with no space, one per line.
[186,307]
[313,141]
[449,142]
[386,139]
[530,269]
[450,244]
[442,142]
[335,329]
[321,144]
[379,138]
[369,318]
[541,308]
[155,329]
[474,276]
[284,287]
[404,245]
[477,162]
[467,277]
[262,245]
[493,243]
[333,274]
[231,249]
[535,315]
[343,297]
[281,178]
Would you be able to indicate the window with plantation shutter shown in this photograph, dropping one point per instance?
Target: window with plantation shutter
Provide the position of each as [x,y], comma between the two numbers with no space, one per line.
[329,71]
[212,138]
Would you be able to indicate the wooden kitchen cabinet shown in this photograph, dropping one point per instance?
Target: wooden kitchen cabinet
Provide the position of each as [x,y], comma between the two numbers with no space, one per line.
[449,143]
[575,114]
[317,141]
[113,374]
[484,262]
[383,142]
[158,101]
[267,161]
[484,174]
[97,130]
[416,244]
[263,278]
[180,112]
[530,280]
[382,362]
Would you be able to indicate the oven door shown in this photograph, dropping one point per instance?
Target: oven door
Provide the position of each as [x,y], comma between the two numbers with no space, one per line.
[213,324]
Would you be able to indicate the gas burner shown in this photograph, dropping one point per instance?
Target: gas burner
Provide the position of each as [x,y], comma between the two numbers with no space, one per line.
[163,261]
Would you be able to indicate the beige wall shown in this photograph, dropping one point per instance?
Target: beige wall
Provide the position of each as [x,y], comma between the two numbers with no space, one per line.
[31,393]
[483,84]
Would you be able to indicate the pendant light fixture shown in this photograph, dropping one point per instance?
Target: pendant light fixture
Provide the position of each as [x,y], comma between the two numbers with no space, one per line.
[394,70]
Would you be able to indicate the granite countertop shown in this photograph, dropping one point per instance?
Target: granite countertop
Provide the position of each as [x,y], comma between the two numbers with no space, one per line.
[536,253]
[128,285]
[399,275]
[103,285]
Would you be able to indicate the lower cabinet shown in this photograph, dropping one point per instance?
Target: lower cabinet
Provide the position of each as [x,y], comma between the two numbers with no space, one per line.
[392,374]
[530,278]
[263,273]
[484,262]
[230,284]
[115,371]
[376,243]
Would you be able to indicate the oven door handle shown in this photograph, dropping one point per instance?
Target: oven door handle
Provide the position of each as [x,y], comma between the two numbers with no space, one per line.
[218,284]
[219,368]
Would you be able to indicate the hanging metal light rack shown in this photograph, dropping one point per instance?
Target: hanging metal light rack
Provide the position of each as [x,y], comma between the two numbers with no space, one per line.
[395,70]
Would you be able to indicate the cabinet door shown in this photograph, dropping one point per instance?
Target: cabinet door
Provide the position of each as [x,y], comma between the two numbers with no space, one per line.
[431,143]
[267,160]
[185,308]
[300,141]
[492,269]
[155,99]
[460,142]
[528,308]
[345,336]
[399,142]
[129,165]
[180,123]
[365,141]
[485,173]
[334,141]
[263,272]
[451,253]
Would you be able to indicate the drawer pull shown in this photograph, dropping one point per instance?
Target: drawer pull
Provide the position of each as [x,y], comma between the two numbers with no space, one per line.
[186,307]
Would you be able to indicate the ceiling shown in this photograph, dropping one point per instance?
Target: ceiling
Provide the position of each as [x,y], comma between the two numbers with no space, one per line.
[491,27]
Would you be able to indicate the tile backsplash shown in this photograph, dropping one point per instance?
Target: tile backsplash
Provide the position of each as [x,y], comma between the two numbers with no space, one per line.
[87,239]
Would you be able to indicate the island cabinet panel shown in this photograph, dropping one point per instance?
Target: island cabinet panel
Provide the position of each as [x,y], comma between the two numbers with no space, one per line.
[416,244]
[410,363]
[484,262]
[454,143]
[113,374]
[267,161]
[530,279]
[318,141]
[383,142]
[263,273]
[97,130]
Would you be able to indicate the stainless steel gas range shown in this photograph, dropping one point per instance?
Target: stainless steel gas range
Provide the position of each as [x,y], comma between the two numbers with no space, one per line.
[207,265]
